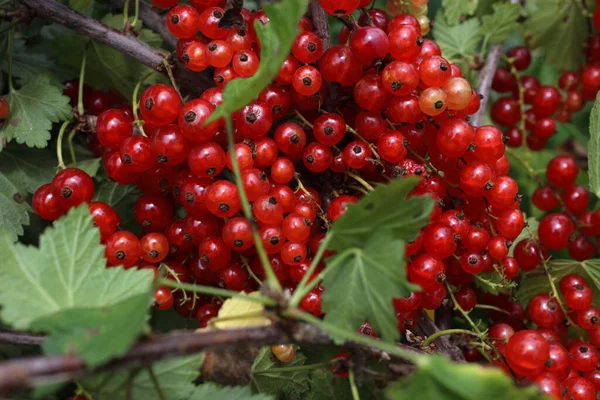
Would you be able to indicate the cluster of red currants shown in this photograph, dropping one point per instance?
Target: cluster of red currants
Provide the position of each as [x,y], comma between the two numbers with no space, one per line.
[562,367]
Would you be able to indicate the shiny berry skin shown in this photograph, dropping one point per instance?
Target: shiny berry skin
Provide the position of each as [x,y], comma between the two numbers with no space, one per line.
[370,93]
[432,101]
[163,298]
[459,94]
[195,56]
[527,254]
[293,253]
[4,108]
[472,263]
[135,151]
[119,171]
[339,64]
[554,231]
[356,154]
[581,249]
[193,194]
[307,80]
[243,156]
[546,101]
[504,193]
[239,39]
[46,205]
[209,23]
[113,127]
[578,297]
[219,54]
[153,212]
[575,198]
[339,206]
[339,8]
[400,78]
[498,247]
[369,44]
[214,253]
[71,187]
[544,311]
[154,247]
[454,137]
[237,234]
[207,159]
[122,248]
[291,138]
[476,178]
[392,146]
[256,183]
[427,272]
[489,145]
[192,117]
[286,71]
[584,356]
[245,63]
[282,171]
[521,57]
[504,81]
[317,157]
[105,218]
[329,129]
[267,210]
[278,98]
[548,385]
[296,227]
[222,199]
[182,21]
[579,389]
[466,298]
[312,303]
[439,241]
[527,352]
[510,223]
[476,239]
[307,47]
[545,199]
[588,318]
[233,277]
[159,104]
[505,111]
[435,71]
[169,145]
[254,120]
[284,352]
[405,42]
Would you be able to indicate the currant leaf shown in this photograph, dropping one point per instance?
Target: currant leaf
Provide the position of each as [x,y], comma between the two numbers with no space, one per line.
[325,385]
[97,334]
[377,272]
[121,198]
[553,23]
[67,270]
[210,391]
[385,208]
[536,282]
[279,382]
[174,377]
[453,10]
[34,107]
[276,39]
[13,209]
[594,148]
[498,26]
[439,379]
[26,62]
[457,42]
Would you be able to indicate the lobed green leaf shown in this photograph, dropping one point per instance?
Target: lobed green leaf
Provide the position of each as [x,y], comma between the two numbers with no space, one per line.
[499,25]
[210,391]
[594,148]
[457,42]
[279,382]
[453,9]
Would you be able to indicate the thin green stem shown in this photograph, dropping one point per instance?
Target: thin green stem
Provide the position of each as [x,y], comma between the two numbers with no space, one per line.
[272,280]
[80,109]
[71,148]
[301,291]
[353,388]
[59,155]
[360,180]
[350,336]
[171,77]
[492,308]
[135,106]
[125,13]
[297,368]
[463,312]
[250,272]
[215,291]
[437,334]
[304,120]
[156,384]
[136,14]
[11,40]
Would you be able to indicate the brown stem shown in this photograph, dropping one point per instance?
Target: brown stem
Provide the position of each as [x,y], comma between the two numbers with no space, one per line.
[320,22]
[444,344]
[485,82]
[14,337]
[28,372]
[127,44]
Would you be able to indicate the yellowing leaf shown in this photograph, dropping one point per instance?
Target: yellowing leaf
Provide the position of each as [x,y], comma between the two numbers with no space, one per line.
[238,312]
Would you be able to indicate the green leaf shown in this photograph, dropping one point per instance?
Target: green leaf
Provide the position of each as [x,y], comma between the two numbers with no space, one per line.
[175,378]
[499,25]
[325,385]
[121,198]
[86,159]
[385,208]
[210,391]
[594,148]
[68,270]
[34,108]
[26,62]
[106,67]
[551,24]
[459,41]
[279,382]
[97,334]
[377,272]
[276,39]
[80,5]
[439,379]
[453,9]
[13,209]
[536,282]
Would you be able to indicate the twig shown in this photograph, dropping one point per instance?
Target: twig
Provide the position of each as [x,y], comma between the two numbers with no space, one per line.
[320,23]
[29,372]
[14,337]
[485,82]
